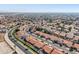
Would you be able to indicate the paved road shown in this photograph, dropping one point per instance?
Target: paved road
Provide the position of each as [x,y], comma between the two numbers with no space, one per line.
[11,37]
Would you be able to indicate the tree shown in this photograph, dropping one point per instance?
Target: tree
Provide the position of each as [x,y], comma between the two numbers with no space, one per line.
[72,49]
[70,28]
[17,30]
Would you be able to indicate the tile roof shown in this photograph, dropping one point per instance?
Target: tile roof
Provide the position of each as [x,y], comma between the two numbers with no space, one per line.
[76,46]
[54,37]
[48,36]
[32,41]
[56,51]
[67,42]
[39,44]
[44,34]
[48,49]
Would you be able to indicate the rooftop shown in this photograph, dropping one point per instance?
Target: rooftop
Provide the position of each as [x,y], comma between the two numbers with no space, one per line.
[48,49]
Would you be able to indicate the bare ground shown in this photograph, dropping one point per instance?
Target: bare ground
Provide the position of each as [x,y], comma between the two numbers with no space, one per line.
[4,47]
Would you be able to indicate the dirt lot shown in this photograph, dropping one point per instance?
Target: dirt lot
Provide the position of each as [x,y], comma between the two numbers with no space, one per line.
[1,37]
[4,47]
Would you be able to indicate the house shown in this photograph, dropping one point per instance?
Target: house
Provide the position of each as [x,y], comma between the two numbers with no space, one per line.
[56,51]
[48,49]
[32,41]
[70,35]
[76,38]
[63,34]
[39,44]
[76,46]
[43,34]
[68,43]
[54,37]
[57,32]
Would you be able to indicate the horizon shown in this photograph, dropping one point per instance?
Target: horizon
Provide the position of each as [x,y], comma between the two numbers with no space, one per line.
[40,8]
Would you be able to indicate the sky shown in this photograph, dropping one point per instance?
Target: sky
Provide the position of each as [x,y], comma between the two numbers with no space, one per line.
[39,7]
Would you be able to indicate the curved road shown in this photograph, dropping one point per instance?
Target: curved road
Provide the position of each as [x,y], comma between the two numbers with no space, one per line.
[15,44]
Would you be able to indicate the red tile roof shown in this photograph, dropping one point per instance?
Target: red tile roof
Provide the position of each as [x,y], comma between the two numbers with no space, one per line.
[39,44]
[76,46]
[54,38]
[41,33]
[38,32]
[48,49]
[32,41]
[48,36]
[56,51]
[67,42]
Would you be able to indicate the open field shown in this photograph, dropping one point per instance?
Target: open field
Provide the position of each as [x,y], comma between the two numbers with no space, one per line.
[1,37]
[4,48]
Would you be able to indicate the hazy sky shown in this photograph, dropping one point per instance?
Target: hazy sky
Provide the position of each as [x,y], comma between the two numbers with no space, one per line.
[40,7]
